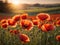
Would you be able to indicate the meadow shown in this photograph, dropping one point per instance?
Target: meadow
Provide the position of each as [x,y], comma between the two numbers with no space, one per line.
[36,10]
[44,31]
[11,34]
[32,10]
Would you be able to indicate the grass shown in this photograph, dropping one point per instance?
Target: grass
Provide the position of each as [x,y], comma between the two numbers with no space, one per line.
[37,37]
[36,10]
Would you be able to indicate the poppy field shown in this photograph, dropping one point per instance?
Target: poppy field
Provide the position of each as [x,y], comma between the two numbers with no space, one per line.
[22,30]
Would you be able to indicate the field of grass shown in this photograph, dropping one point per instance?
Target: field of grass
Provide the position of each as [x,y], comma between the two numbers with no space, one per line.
[36,10]
[36,35]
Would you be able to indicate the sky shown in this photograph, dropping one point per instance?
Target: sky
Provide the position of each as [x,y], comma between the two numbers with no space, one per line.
[39,1]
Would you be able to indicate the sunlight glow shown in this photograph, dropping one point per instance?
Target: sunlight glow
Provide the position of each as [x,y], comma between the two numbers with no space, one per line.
[15,2]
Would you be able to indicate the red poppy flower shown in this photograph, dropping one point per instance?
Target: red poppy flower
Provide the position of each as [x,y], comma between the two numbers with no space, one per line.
[47,27]
[58,23]
[16,18]
[26,24]
[24,16]
[11,31]
[54,23]
[36,22]
[4,25]
[3,21]
[58,18]
[39,26]
[12,23]
[43,16]
[14,31]
[24,38]
[58,37]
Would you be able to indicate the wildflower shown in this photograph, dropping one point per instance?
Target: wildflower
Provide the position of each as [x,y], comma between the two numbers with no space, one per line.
[35,22]
[58,37]
[4,25]
[47,27]
[39,26]
[14,31]
[58,23]
[26,24]
[24,16]
[58,18]
[3,21]
[24,38]
[16,18]
[11,31]
[12,23]
[43,16]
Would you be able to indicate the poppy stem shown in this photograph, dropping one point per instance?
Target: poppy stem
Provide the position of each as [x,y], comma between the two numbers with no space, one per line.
[46,34]
[58,43]
[23,44]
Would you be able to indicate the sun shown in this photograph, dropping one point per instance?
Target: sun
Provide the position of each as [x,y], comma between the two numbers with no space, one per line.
[15,2]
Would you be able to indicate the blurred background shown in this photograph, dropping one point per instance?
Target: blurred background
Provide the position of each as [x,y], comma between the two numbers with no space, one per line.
[32,7]
[9,8]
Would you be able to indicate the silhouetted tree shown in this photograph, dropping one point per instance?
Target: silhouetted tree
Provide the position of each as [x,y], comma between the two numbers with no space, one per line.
[4,7]
[37,5]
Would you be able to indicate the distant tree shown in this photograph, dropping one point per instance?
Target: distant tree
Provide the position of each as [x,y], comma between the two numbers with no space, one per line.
[4,7]
[37,5]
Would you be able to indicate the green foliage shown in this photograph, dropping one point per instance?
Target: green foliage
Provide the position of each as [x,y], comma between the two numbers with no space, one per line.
[37,37]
